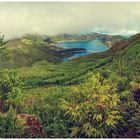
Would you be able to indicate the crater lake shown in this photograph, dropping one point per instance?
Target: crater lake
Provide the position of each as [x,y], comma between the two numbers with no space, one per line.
[91,46]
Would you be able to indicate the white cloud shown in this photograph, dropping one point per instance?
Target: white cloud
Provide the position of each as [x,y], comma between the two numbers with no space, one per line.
[124,32]
[17,19]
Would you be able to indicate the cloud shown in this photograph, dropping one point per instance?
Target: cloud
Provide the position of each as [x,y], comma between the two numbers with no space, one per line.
[17,19]
[124,32]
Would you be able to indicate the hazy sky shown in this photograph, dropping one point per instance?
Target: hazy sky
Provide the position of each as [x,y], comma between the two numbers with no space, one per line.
[17,19]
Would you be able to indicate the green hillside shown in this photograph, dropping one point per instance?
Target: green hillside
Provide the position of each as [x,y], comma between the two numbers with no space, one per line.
[73,72]
[25,51]
[94,96]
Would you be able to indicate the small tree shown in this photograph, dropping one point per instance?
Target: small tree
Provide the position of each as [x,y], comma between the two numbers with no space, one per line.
[2,41]
[3,49]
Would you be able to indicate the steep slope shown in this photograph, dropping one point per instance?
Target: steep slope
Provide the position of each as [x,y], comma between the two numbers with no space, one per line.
[127,63]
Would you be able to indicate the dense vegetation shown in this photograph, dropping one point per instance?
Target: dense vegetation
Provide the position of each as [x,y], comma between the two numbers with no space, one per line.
[93,97]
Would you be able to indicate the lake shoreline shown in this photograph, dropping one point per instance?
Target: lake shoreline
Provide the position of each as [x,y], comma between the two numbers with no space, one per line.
[73,41]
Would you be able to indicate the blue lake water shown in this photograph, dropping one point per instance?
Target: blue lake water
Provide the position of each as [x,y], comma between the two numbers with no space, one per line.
[92,46]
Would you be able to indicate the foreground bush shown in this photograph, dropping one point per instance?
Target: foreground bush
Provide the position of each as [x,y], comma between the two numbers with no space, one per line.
[94,108]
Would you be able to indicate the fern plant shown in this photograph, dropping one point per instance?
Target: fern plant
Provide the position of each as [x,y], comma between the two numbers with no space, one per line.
[94,108]
[10,125]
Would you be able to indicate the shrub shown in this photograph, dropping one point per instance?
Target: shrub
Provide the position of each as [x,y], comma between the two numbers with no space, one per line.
[10,87]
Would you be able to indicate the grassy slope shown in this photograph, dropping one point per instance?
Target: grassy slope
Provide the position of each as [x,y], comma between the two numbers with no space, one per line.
[124,64]
[128,62]
[40,76]
[24,52]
